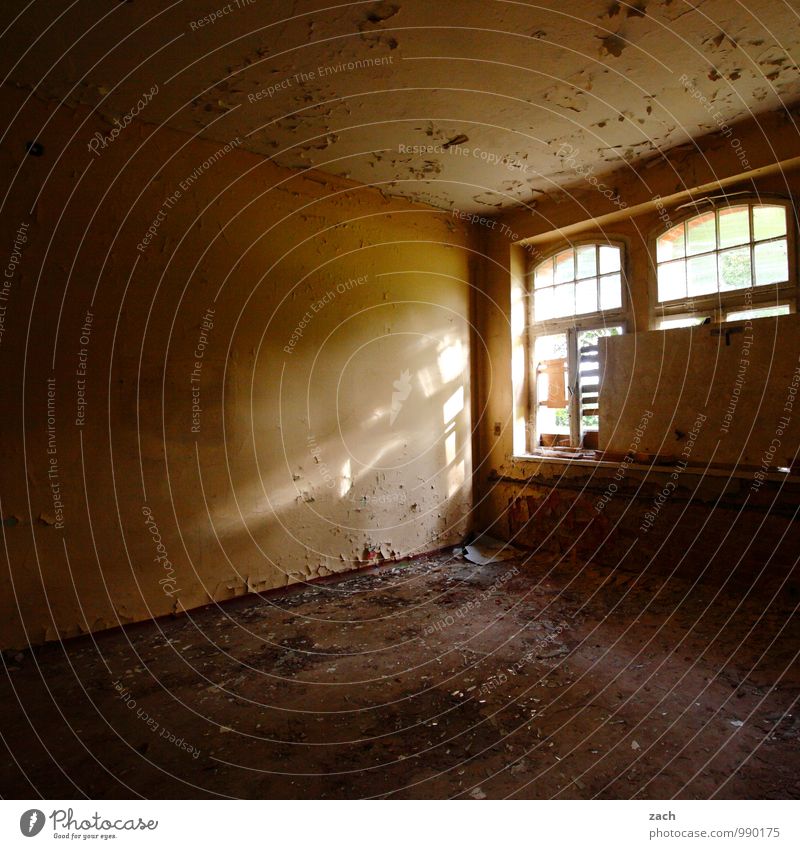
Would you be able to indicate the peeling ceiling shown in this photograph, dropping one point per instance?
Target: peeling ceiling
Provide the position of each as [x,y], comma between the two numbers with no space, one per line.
[464,105]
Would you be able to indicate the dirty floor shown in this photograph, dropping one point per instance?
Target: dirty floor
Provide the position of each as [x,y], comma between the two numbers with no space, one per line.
[429,678]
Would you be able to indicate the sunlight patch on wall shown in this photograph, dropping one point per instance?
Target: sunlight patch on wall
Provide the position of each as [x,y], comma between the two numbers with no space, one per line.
[450,448]
[347,478]
[452,360]
[455,478]
[453,405]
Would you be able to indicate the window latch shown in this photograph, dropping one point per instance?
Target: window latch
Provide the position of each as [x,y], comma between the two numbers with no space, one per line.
[727,331]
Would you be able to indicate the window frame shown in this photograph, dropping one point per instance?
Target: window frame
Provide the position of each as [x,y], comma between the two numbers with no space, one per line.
[571,326]
[718,304]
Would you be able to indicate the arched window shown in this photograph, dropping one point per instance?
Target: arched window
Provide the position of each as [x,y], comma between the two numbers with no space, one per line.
[578,281]
[575,298]
[730,255]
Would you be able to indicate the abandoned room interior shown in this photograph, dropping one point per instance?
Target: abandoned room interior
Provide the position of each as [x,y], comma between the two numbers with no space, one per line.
[400,400]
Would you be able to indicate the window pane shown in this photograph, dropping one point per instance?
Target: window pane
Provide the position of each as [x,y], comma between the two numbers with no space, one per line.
[587,261]
[564,300]
[552,420]
[734,268]
[543,275]
[734,226]
[671,245]
[772,264]
[690,321]
[758,312]
[543,304]
[610,259]
[729,249]
[769,222]
[672,280]
[586,296]
[565,266]
[701,275]
[550,347]
[701,233]
[547,350]
[610,292]
[590,337]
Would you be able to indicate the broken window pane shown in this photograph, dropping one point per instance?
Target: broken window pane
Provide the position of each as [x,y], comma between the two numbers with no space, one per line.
[549,355]
[589,375]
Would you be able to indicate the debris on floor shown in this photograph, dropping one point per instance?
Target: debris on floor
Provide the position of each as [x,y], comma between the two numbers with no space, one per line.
[486,550]
[426,679]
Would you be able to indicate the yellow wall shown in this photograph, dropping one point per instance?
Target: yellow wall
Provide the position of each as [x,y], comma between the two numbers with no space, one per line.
[298,467]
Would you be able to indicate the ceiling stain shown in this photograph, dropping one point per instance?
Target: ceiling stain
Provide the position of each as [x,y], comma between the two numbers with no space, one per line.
[365,90]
